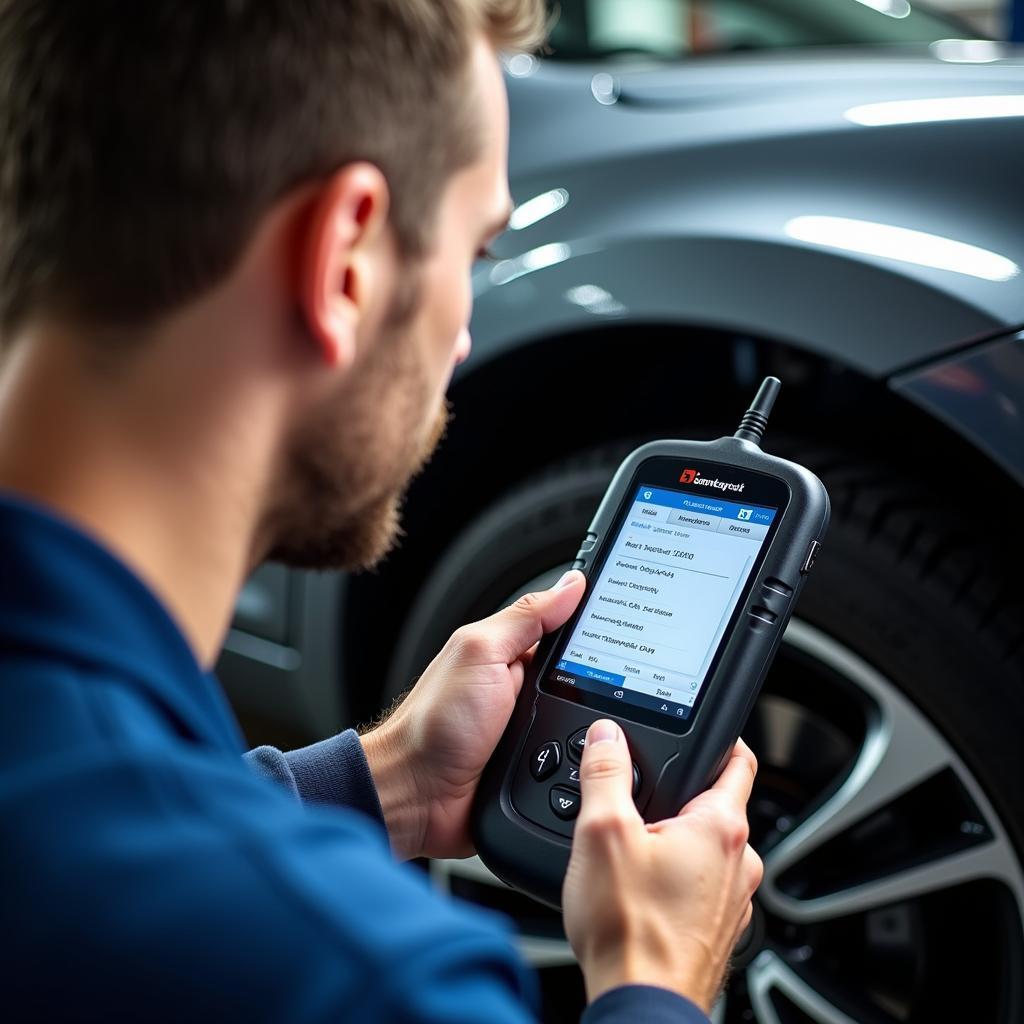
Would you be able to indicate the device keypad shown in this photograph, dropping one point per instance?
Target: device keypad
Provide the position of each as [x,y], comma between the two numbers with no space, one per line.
[577,741]
[545,788]
[565,797]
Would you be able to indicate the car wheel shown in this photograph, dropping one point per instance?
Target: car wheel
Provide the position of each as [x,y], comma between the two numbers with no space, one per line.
[889,807]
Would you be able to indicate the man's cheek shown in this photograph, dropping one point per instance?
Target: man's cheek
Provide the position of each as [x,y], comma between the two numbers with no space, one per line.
[463,346]
[452,334]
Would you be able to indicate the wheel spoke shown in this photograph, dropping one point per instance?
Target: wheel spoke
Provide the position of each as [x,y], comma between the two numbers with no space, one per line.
[769,972]
[987,861]
[471,868]
[901,749]
[718,1010]
[537,950]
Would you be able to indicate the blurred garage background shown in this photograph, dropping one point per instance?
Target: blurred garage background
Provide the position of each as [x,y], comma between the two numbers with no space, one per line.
[825,190]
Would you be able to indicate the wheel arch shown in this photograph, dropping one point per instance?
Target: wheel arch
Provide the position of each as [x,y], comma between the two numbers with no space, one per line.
[874,315]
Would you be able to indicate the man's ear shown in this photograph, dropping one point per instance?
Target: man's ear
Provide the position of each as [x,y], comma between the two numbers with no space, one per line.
[347,217]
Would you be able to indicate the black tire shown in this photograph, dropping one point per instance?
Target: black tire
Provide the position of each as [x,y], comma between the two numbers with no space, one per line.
[900,581]
[936,608]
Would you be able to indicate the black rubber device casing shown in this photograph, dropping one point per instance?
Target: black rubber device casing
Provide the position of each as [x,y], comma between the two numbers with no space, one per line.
[673,768]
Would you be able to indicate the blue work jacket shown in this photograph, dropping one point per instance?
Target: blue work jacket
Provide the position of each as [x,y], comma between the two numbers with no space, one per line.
[149,873]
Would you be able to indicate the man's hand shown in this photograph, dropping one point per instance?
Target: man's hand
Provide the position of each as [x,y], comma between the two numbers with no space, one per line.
[426,759]
[661,904]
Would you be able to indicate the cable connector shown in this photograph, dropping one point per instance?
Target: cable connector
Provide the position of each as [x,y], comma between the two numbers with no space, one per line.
[755,419]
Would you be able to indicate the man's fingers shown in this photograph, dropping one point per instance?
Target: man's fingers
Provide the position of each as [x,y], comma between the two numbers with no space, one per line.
[507,634]
[727,798]
[606,779]
[743,750]
[517,668]
[753,868]
[517,673]
[744,923]
[527,656]
[737,779]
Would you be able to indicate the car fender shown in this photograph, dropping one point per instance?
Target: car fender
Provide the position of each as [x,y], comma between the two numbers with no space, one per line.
[872,318]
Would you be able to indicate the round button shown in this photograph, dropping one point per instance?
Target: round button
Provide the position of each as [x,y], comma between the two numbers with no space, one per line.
[577,741]
[545,760]
[565,802]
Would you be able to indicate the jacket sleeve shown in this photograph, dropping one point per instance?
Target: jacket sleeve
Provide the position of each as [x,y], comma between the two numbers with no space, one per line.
[642,1002]
[334,771]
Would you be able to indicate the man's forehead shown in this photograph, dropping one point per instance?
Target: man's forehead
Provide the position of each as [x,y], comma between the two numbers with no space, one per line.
[490,99]
[487,177]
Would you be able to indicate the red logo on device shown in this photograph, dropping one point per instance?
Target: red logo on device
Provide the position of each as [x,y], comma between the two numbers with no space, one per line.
[689,475]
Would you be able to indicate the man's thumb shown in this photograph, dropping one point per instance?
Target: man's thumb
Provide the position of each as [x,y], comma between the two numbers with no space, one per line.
[515,629]
[606,772]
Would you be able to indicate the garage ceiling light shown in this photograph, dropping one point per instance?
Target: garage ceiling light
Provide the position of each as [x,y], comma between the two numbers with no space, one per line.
[969,51]
[537,208]
[946,108]
[521,65]
[595,299]
[904,244]
[535,259]
[892,8]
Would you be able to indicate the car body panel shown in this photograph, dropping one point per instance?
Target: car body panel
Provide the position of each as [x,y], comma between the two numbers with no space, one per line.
[281,662]
[681,198]
[980,394]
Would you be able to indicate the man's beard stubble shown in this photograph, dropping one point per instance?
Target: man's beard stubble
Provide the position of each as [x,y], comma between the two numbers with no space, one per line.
[324,529]
[340,507]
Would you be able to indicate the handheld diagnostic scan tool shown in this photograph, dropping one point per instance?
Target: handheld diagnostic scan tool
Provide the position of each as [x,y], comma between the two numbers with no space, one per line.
[694,562]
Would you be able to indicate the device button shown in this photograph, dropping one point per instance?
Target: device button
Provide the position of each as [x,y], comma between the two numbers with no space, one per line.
[580,561]
[574,776]
[565,802]
[772,585]
[812,554]
[577,741]
[764,614]
[545,760]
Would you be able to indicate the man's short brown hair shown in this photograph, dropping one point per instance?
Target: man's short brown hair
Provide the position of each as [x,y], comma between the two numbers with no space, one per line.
[141,142]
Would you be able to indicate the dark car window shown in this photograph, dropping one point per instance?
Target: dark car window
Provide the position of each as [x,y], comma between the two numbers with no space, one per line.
[674,29]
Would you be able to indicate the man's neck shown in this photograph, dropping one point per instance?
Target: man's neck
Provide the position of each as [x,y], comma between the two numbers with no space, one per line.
[172,496]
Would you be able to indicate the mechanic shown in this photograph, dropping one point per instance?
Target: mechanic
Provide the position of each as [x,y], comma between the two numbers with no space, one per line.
[235,250]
